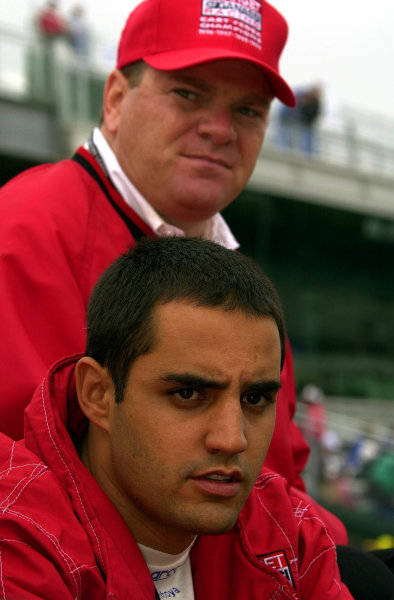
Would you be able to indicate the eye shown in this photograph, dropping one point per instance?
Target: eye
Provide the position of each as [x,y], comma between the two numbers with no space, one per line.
[185,93]
[252,113]
[256,399]
[186,394]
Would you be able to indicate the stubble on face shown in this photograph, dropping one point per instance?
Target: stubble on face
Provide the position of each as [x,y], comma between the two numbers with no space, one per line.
[165,448]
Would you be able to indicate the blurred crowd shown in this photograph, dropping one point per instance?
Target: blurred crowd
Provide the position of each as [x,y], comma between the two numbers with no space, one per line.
[53,25]
[356,473]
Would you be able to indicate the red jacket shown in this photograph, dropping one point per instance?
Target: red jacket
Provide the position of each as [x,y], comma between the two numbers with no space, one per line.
[61,537]
[60,227]
[51,24]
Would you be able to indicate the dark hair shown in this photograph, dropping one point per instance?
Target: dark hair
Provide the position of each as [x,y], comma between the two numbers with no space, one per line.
[161,270]
[134,73]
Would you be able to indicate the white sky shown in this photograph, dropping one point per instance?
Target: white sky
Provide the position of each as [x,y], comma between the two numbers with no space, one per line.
[346,45]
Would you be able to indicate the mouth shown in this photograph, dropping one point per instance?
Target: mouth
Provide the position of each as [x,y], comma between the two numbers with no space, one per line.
[234,475]
[215,477]
[217,483]
[207,159]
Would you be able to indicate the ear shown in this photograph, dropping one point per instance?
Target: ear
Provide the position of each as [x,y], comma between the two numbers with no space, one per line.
[95,391]
[115,91]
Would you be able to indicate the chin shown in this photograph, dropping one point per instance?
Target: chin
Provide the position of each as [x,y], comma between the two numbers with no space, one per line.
[202,202]
[216,528]
[213,523]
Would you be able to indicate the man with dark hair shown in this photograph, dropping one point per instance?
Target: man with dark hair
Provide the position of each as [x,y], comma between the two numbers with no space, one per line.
[146,453]
[109,333]
[184,117]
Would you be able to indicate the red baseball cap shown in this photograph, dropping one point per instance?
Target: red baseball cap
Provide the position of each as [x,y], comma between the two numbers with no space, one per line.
[176,34]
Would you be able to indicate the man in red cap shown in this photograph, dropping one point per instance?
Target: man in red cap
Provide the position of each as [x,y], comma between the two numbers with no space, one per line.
[184,117]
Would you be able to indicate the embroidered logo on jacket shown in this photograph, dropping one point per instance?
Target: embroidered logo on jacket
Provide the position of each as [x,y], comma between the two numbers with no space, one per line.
[278,560]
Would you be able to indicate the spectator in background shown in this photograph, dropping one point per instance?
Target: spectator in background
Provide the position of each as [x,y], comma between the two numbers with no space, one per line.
[313,427]
[287,127]
[52,28]
[309,108]
[296,125]
[50,24]
[315,412]
[363,450]
[78,32]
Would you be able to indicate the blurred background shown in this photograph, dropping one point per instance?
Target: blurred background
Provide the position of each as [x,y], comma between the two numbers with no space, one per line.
[318,213]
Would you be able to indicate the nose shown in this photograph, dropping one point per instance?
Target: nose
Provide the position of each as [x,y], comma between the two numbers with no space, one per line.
[218,126]
[226,430]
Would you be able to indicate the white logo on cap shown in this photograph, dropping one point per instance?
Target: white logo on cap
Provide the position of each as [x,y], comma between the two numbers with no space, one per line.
[242,19]
[247,11]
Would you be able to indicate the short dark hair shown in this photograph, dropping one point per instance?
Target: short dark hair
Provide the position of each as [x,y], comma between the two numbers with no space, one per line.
[161,270]
[134,72]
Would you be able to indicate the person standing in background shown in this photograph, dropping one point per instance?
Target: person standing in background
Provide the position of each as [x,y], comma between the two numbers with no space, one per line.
[78,32]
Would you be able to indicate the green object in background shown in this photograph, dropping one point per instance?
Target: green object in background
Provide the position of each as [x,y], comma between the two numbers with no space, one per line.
[381,473]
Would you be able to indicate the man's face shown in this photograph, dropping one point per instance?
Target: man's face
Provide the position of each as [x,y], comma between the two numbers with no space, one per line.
[189,439]
[189,139]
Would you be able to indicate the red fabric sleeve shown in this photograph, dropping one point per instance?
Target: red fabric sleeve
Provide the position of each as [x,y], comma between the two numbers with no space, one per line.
[319,575]
[288,451]
[26,573]
[58,233]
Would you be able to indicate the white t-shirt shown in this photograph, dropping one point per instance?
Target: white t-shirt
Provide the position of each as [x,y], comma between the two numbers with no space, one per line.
[171,574]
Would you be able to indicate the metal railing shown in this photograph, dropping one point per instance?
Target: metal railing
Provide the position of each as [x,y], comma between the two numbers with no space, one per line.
[30,70]
[354,140]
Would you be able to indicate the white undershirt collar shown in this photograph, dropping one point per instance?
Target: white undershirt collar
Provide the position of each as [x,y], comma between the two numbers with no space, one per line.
[171,574]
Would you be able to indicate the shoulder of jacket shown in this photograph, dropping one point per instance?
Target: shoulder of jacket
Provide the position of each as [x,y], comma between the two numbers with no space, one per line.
[57,183]
[275,501]
[33,503]
[38,526]
[19,469]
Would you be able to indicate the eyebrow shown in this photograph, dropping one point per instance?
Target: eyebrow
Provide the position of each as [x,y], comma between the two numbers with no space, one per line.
[190,380]
[269,385]
[196,381]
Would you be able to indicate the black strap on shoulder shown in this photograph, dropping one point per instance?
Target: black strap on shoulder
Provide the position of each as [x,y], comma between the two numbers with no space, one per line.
[135,231]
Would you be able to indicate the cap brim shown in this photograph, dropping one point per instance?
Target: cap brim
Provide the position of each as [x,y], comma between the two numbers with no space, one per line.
[181,59]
